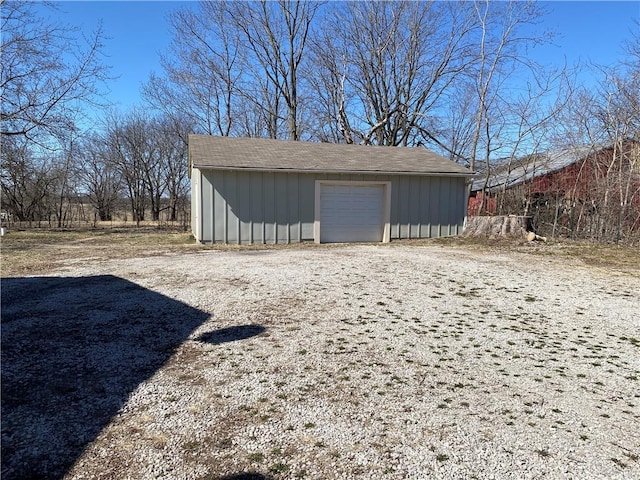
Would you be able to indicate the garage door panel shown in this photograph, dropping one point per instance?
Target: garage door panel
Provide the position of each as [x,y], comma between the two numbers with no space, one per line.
[350,213]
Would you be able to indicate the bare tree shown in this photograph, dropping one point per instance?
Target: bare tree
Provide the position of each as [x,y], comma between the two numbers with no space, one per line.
[233,67]
[202,70]
[387,65]
[499,43]
[64,185]
[98,177]
[596,193]
[46,72]
[451,129]
[173,150]
[150,156]
[603,204]
[615,116]
[126,149]
[327,75]
[501,105]
[24,180]
[276,34]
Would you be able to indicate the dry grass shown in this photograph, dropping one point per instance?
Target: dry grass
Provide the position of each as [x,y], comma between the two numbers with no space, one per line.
[623,258]
[37,251]
[32,252]
[619,257]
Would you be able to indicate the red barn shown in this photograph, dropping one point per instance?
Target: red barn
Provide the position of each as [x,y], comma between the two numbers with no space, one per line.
[579,192]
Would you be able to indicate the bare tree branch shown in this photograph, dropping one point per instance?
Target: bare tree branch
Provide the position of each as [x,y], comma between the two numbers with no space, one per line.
[46,72]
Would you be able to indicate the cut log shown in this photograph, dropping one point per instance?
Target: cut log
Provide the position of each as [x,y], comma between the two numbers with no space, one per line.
[532,237]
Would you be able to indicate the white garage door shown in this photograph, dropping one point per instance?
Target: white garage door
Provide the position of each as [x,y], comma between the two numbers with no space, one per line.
[351,213]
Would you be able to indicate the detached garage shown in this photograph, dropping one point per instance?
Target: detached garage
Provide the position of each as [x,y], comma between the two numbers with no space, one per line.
[250,190]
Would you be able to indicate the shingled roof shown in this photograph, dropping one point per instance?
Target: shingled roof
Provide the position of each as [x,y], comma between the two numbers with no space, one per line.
[229,153]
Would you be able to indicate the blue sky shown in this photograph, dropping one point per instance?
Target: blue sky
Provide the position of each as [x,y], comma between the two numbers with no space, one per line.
[139,31]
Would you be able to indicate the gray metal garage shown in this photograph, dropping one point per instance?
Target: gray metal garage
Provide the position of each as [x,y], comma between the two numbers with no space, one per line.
[250,190]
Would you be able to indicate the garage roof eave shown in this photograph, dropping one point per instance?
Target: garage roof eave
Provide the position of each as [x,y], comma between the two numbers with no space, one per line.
[334,171]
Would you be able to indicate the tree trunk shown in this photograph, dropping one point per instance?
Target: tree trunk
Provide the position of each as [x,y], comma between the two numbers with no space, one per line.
[498,226]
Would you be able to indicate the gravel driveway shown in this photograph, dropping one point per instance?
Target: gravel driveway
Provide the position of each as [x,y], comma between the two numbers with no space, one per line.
[351,362]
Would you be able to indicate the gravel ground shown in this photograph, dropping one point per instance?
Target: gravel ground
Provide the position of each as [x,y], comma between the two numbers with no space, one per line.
[323,363]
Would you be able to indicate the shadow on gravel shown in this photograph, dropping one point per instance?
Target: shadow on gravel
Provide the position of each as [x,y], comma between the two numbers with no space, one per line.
[73,350]
[231,334]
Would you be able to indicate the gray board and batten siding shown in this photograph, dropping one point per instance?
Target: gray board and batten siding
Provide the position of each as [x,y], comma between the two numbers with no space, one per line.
[247,190]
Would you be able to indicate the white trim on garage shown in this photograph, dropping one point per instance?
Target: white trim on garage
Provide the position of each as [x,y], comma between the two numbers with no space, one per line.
[349,191]
[196,204]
